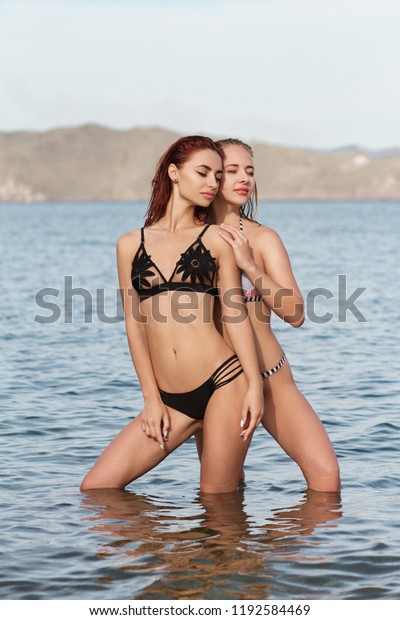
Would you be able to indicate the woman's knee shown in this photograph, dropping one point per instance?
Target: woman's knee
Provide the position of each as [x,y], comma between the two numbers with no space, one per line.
[324,475]
[88,485]
[91,482]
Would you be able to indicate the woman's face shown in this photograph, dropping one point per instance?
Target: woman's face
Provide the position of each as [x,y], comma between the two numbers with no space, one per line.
[238,179]
[198,179]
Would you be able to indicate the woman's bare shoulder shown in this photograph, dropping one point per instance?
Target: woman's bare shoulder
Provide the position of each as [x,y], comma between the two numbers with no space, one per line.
[268,242]
[128,242]
[262,234]
[212,230]
[214,239]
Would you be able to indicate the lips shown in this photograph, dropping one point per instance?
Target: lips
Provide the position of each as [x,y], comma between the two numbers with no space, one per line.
[242,191]
[208,195]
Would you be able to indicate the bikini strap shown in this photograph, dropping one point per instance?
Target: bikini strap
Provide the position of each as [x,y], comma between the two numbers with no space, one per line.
[225,373]
[203,231]
[241,227]
[142,235]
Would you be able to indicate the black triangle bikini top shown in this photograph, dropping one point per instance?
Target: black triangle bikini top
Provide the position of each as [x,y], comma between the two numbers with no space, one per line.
[194,271]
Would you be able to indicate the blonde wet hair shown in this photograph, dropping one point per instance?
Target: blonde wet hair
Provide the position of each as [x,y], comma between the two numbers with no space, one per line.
[250,209]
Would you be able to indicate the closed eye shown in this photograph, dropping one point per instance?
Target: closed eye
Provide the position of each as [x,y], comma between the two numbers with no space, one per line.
[250,172]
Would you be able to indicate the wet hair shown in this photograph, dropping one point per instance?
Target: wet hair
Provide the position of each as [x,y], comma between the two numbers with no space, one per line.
[248,210]
[178,153]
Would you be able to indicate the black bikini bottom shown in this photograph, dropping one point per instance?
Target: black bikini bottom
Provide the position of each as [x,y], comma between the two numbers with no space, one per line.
[194,403]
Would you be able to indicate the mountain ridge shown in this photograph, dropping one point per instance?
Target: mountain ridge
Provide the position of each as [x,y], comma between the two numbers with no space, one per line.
[93,162]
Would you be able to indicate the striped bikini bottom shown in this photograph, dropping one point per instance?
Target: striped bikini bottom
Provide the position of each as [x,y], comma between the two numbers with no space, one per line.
[272,371]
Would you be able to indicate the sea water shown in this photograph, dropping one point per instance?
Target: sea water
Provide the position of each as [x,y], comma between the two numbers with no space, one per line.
[68,386]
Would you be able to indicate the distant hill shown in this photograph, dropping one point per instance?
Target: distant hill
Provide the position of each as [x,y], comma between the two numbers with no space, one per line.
[381,154]
[92,162]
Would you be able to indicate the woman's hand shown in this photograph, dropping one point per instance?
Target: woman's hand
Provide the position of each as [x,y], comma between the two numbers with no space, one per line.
[239,244]
[155,421]
[253,408]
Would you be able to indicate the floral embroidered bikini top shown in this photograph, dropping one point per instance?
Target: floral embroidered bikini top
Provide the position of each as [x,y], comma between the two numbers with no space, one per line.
[194,271]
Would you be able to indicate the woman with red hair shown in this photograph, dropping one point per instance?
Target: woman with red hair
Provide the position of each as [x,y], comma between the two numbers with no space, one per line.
[170,272]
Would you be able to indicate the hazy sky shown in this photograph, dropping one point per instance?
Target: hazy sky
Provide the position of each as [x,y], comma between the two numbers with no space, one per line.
[318,73]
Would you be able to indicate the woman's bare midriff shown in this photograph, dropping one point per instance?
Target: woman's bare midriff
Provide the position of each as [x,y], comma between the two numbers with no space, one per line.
[185,346]
[269,351]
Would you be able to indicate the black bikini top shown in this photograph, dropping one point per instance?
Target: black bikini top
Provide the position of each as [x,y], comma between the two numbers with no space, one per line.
[194,271]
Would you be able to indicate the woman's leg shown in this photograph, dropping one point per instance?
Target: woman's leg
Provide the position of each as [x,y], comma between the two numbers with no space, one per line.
[199,443]
[132,454]
[293,423]
[223,451]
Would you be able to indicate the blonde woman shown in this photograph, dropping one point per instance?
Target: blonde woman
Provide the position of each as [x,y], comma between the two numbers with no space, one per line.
[269,285]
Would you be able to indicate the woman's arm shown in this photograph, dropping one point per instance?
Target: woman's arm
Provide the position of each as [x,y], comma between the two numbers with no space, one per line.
[274,279]
[155,417]
[240,332]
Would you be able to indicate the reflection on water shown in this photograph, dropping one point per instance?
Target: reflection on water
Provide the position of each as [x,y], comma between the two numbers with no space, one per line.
[215,552]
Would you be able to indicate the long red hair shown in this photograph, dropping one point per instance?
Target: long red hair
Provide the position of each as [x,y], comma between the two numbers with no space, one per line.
[178,153]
